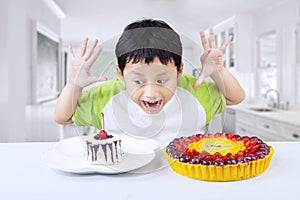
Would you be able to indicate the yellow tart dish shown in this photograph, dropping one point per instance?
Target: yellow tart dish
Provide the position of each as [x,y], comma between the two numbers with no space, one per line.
[219,156]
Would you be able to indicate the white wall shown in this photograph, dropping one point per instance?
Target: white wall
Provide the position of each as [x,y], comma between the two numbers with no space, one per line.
[283,19]
[15,65]
[3,72]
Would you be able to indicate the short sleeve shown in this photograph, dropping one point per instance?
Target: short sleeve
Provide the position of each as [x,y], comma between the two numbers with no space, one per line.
[208,95]
[85,112]
[92,102]
[217,102]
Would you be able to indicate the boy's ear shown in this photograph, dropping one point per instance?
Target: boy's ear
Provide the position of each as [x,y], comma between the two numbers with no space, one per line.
[180,71]
[120,74]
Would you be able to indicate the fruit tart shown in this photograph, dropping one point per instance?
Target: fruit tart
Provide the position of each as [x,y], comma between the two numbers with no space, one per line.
[219,156]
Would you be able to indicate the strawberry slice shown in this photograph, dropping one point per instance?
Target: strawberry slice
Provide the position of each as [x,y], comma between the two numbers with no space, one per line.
[217,155]
[180,148]
[195,138]
[255,148]
[228,155]
[239,154]
[245,138]
[236,138]
[203,154]
[192,153]
[212,157]
[199,136]
[247,143]
[229,136]
[253,142]
[223,135]
[217,135]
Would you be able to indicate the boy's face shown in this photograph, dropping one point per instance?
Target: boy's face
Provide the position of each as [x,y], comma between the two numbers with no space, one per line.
[152,85]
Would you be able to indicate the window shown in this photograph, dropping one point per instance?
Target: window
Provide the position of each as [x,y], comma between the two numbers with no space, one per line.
[46,60]
[297,61]
[267,63]
[223,39]
[231,48]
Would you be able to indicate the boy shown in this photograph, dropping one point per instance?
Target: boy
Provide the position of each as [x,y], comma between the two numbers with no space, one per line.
[151,97]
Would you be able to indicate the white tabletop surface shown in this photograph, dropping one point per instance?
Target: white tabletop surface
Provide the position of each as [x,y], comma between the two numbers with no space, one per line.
[24,176]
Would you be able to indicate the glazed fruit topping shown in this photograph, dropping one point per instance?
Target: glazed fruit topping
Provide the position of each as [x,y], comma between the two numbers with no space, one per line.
[230,161]
[219,162]
[206,161]
[254,149]
[103,134]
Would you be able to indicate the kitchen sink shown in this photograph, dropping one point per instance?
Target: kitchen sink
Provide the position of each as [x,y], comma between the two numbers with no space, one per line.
[262,109]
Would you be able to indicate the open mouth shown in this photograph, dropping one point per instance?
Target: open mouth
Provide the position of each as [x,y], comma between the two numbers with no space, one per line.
[152,106]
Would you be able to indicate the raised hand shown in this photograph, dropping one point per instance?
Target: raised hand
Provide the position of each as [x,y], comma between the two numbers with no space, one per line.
[79,69]
[211,59]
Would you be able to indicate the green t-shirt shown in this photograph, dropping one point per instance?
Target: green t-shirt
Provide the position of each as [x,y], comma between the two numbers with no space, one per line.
[199,104]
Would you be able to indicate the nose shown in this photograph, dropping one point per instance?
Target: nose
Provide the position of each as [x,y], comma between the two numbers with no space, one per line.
[150,91]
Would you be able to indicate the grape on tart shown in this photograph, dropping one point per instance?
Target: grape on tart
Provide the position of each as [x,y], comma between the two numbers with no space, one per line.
[219,156]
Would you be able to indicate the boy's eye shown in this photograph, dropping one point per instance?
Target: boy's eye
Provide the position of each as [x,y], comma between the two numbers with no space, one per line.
[161,81]
[139,82]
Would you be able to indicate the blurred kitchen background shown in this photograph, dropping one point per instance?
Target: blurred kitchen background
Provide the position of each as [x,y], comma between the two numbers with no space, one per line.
[264,56]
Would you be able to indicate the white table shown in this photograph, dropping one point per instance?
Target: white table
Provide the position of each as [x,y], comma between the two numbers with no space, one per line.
[24,176]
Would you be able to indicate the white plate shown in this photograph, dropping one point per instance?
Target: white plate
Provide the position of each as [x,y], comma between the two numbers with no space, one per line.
[69,155]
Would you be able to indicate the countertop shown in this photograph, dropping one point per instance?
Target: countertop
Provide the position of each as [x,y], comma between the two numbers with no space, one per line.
[24,176]
[283,116]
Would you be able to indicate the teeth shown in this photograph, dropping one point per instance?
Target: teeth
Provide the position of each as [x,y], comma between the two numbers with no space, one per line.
[152,104]
[147,104]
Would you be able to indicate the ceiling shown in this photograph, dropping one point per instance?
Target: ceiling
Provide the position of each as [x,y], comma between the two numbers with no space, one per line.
[104,19]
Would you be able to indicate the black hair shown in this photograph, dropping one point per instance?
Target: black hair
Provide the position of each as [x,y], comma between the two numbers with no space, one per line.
[146,39]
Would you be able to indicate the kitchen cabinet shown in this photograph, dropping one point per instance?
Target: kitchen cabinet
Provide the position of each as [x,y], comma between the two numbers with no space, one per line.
[246,125]
[265,128]
[291,132]
[239,53]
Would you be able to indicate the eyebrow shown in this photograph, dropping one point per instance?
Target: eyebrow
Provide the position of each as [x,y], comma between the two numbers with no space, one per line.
[142,74]
[163,73]
[137,73]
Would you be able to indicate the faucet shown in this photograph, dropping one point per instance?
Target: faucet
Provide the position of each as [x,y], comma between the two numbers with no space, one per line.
[277,104]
